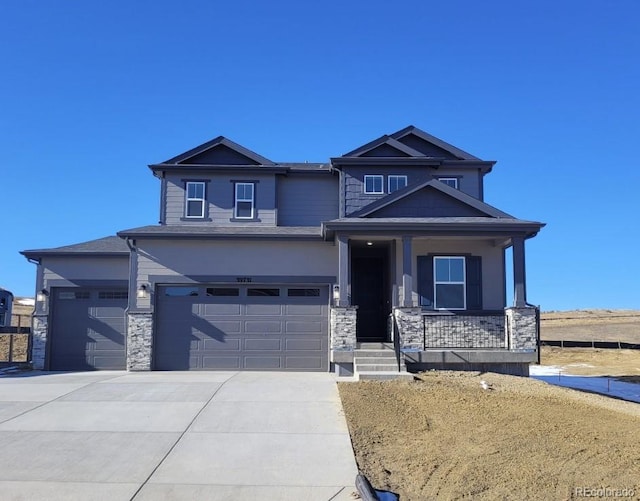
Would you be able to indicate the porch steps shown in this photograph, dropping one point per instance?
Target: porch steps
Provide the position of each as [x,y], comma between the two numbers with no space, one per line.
[377,361]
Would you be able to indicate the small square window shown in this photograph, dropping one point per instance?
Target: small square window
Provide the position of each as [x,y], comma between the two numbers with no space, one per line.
[374,184]
[449,181]
[397,183]
[195,199]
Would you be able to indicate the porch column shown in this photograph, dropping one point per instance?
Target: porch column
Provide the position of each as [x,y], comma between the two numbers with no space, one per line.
[519,277]
[407,295]
[343,270]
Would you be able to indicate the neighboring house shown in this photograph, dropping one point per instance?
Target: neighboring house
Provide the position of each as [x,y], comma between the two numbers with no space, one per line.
[6,302]
[260,265]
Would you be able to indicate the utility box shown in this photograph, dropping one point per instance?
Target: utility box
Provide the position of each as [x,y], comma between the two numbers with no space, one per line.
[6,303]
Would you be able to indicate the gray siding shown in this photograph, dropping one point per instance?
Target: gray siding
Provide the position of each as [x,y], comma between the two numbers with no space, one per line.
[493,277]
[307,200]
[427,202]
[355,198]
[431,150]
[243,258]
[73,268]
[220,198]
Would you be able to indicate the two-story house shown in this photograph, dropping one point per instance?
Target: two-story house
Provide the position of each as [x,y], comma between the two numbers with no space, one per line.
[262,265]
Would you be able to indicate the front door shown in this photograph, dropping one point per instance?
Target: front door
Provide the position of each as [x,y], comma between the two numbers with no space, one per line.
[370,290]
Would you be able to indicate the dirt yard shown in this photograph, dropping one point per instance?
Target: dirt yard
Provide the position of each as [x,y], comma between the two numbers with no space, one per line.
[444,437]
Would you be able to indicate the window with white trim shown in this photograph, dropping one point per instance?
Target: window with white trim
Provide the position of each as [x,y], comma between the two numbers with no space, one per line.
[449,181]
[244,207]
[194,204]
[374,185]
[449,283]
[396,183]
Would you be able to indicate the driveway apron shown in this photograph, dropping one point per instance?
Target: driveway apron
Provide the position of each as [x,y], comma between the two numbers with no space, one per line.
[173,436]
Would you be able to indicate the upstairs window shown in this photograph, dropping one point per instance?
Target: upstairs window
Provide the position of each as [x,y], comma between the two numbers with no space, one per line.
[374,185]
[194,205]
[244,206]
[449,181]
[397,183]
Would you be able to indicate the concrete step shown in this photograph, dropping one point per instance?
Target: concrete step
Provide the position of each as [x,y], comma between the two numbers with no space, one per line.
[374,359]
[360,367]
[375,346]
[384,375]
[374,353]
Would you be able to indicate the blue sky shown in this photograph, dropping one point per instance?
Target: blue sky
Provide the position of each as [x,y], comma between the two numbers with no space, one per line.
[92,92]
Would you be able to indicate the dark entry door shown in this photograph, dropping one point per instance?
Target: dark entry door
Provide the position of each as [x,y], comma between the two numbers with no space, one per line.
[369,291]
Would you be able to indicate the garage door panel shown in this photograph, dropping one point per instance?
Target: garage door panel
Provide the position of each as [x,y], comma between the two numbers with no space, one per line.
[304,363]
[271,331]
[221,309]
[263,309]
[263,344]
[303,344]
[262,363]
[303,328]
[304,309]
[220,363]
[229,344]
[262,326]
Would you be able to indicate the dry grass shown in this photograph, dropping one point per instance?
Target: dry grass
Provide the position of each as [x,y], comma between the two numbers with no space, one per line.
[591,325]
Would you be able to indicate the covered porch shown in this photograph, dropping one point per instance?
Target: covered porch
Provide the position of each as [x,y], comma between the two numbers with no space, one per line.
[433,289]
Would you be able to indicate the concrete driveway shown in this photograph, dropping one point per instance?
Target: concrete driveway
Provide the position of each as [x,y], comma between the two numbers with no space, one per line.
[173,436]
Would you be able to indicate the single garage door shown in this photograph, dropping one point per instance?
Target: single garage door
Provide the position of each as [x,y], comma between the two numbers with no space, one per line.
[243,327]
[87,329]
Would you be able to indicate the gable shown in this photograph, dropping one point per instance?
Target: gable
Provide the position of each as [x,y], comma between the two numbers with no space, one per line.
[427,202]
[220,155]
[425,147]
[384,150]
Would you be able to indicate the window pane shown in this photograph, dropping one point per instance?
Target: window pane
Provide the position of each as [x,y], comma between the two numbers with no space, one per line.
[223,291]
[181,291]
[303,292]
[450,296]
[397,183]
[244,209]
[456,269]
[442,269]
[377,184]
[195,208]
[263,292]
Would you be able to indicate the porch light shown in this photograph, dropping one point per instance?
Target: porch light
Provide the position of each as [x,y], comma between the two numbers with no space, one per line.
[42,296]
[336,292]
[142,291]
[369,243]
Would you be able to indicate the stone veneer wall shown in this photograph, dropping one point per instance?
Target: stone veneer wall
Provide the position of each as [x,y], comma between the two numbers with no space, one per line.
[449,331]
[522,328]
[343,328]
[139,341]
[39,328]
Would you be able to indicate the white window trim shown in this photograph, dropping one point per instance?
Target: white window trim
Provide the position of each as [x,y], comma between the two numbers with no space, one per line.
[395,177]
[195,199]
[463,283]
[454,179]
[364,187]
[252,200]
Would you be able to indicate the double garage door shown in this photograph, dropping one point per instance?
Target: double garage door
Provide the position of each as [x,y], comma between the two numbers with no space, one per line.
[88,329]
[241,327]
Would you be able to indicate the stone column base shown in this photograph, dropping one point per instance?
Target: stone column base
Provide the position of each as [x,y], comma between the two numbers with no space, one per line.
[409,321]
[343,333]
[139,340]
[522,328]
[39,335]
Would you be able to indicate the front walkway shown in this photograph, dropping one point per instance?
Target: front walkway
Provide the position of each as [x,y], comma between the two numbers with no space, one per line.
[173,435]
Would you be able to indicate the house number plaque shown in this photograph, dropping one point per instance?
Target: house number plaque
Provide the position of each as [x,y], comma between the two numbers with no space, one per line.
[243,279]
